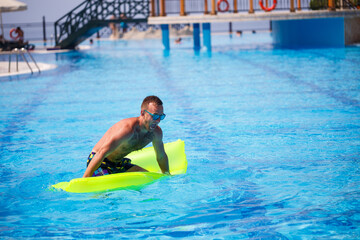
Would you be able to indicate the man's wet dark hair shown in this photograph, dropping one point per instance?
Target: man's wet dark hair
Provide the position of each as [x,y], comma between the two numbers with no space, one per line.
[151,99]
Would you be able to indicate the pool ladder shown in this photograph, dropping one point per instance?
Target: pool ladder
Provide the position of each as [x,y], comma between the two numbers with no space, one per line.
[21,52]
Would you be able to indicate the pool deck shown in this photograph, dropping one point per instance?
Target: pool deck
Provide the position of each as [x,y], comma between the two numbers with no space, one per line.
[23,68]
[257,16]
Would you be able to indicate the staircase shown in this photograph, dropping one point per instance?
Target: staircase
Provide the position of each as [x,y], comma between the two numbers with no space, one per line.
[351,4]
[92,15]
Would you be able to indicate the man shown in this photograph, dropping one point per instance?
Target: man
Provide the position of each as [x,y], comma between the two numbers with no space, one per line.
[128,135]
[20,34]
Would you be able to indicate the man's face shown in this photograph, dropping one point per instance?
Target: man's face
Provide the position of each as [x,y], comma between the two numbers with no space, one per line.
[152,108]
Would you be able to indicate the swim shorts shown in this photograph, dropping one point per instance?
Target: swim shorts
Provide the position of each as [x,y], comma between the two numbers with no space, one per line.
[108,167]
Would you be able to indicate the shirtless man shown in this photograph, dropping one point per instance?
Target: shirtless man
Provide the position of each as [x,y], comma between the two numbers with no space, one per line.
[128,135]
[20,34]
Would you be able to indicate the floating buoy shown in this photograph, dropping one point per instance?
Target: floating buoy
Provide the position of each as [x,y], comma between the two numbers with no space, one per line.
[227,5]
[269,8]
[12,36]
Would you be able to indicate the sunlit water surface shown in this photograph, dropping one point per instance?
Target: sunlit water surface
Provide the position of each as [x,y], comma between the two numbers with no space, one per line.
[272,141]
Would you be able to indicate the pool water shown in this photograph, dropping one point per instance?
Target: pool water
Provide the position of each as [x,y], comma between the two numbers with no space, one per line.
[272,141]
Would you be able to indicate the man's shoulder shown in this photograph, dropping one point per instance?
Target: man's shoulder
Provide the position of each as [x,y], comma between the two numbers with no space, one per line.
[158,133]
[127,124]
[131,120]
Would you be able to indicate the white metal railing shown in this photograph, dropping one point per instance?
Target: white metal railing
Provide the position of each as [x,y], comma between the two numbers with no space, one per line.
[22,52]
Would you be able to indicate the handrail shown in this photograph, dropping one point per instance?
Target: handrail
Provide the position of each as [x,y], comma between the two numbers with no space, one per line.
[72,10]
[66,21]
[21,52]
[350,4]
[188,7]
[99,12]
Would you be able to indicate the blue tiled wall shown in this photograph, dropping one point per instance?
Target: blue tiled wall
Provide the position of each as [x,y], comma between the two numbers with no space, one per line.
[309,33]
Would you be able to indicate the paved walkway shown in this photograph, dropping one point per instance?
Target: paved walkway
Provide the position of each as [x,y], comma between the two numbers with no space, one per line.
[23,68]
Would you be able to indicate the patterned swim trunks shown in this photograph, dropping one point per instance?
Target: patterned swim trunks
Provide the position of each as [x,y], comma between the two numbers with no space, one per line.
[108,167]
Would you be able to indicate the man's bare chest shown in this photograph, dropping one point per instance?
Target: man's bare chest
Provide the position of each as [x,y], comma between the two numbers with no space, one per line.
[136,142]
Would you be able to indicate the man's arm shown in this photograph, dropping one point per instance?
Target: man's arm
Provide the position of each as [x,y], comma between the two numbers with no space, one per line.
[97,159]
[161,156]
[115,138]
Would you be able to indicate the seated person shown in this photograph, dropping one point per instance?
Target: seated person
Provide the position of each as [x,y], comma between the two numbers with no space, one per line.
[20,34]
[17,43]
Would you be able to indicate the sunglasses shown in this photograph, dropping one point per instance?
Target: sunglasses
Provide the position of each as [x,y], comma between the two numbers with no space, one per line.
[156,116]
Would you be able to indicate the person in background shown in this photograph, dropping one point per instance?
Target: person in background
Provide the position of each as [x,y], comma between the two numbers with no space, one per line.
[123,25]
[114,29]
[2,39]
[178,40]
[20,34]
[2,43]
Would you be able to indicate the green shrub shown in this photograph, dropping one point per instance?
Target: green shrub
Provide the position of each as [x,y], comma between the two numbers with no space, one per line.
[318,4]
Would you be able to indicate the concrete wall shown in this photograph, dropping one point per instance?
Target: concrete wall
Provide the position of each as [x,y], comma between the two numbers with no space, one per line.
[352,30]
[310,33]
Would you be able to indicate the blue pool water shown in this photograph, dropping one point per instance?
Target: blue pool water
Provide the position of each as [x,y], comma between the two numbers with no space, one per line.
[272,141]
